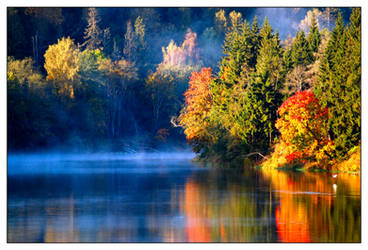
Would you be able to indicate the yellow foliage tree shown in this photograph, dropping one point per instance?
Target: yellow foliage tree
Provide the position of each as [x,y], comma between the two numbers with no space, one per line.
[61,64]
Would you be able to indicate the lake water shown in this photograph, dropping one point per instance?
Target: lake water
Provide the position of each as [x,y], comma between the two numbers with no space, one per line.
[166,198]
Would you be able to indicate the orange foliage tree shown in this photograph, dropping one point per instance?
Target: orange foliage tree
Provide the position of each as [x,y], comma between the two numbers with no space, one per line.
[198,103]
[303,127]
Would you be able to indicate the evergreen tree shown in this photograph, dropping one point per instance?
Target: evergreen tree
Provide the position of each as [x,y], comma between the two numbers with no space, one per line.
[301,52]
[314,37]
[93,33]
[238,48]
[255,42]
[339,84]
[263,96]
[287,61]
[234,75]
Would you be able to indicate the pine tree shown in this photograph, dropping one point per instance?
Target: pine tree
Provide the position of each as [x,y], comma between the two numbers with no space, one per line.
[287,61]
[314,37]
[229,89]
[238,54]
[92,33]
[255,41]
[339,84]
[301,52]
[263,96]
[253,114]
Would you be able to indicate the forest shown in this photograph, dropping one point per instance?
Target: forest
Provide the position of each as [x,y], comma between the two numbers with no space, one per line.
[234,83]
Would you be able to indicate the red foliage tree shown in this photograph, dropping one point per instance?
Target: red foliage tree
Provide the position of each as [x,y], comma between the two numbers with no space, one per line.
[303,127]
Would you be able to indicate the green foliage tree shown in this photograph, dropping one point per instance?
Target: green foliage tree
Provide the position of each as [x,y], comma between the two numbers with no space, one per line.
[264,97]
[301,52]
[229,89]
[340,82]
[314,37]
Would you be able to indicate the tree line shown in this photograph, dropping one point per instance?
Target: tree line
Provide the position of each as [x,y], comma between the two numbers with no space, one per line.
[298,99]
[80,79]
[105,93]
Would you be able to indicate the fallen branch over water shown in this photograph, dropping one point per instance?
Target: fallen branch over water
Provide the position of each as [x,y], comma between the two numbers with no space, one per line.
[257,153]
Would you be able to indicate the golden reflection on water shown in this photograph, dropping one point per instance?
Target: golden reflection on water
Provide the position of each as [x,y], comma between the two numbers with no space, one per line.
[301,207]
[216,214]
[321,207]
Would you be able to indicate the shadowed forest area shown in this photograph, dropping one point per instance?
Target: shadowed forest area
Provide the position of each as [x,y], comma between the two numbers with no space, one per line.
[277,85]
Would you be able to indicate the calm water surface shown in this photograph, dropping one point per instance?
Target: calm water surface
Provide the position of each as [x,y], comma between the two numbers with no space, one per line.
[169,199]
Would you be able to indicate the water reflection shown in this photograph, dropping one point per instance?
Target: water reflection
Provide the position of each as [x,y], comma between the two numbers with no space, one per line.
[228,206]
[174,201]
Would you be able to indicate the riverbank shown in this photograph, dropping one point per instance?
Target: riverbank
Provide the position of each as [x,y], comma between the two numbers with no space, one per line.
[277,159]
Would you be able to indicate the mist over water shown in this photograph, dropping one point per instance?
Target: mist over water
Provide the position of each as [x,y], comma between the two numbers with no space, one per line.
[100,162]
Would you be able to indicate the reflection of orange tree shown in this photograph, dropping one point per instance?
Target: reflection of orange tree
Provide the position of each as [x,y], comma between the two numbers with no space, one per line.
[309,207]
[197,229]
[234,218]
[291,221]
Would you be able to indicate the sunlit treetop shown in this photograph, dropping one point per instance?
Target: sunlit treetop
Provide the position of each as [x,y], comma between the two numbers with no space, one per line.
[61,60]
[178,57]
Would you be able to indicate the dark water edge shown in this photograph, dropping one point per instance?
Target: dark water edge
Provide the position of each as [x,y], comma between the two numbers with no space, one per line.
[167,198]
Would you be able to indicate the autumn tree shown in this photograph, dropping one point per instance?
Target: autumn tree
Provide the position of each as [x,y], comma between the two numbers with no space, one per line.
[179,61]
[194,117]
[89,63]
[180,57]
[303,128]
[296,81]
[61,64]
[312,18]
